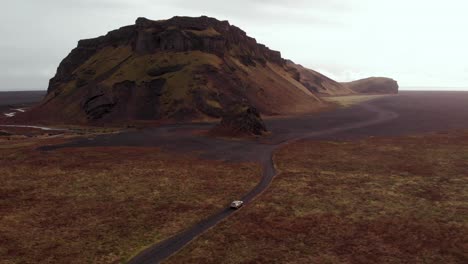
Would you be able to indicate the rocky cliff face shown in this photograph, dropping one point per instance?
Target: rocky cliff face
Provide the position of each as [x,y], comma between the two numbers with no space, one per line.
[181,68]
[373,85]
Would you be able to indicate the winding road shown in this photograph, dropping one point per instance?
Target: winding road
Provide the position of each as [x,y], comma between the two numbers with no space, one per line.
[166,248]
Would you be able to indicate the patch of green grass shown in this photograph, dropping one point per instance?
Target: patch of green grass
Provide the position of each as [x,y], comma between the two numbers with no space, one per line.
[136,68]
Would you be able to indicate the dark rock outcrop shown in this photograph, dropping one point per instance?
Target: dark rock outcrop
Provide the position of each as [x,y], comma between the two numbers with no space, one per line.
[374,85]
[241,121]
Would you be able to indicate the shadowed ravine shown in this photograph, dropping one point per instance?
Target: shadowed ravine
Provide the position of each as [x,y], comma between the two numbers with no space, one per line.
[166,248]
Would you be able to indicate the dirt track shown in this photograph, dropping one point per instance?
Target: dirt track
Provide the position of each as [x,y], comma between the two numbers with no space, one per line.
[407,113]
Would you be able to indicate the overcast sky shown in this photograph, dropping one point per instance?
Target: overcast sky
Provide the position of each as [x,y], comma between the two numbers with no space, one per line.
[420,43]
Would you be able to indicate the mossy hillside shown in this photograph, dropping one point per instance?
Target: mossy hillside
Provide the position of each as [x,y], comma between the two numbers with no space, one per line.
[187,82]
[103,61]
[236,63]
[176,91]
[179,86]
[136,68]
[67,91]
[285,75]
[68,87]
[185,88]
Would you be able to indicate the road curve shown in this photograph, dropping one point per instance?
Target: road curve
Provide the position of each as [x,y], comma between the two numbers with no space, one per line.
[168,247]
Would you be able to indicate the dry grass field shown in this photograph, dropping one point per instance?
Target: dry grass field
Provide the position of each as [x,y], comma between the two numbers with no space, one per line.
[387,200]
[103,205]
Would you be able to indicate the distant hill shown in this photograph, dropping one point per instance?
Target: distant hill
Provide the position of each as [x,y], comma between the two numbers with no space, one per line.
[373,85]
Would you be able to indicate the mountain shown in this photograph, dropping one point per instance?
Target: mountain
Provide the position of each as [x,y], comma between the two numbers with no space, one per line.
[183,68]
[373,85]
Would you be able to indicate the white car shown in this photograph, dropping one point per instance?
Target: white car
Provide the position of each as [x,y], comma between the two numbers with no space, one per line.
[236,204]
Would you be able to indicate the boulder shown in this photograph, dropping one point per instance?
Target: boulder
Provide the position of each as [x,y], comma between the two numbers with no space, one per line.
[241,121]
